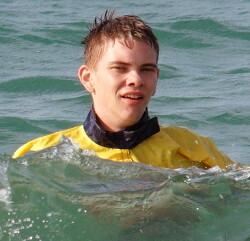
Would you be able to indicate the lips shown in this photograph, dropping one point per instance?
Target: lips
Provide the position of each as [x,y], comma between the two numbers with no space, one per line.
[137,97]
[133,96]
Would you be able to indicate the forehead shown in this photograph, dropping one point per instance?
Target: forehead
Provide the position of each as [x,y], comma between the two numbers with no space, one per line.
[128,49]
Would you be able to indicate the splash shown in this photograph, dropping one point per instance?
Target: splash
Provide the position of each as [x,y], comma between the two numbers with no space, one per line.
[65,193]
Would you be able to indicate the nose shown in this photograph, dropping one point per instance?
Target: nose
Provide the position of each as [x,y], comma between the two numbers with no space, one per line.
[134,79]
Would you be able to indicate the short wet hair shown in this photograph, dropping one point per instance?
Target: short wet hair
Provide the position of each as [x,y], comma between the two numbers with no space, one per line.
[123,28]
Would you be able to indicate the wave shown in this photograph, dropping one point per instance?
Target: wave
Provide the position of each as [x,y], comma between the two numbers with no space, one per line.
[181,40]
[37,84]
[63,35]
[168,99]
[230,118]
[210,26]
[6,35]
[169,72]
[197,33]
[45,126]
[64,193]
[239,71]
[20,125]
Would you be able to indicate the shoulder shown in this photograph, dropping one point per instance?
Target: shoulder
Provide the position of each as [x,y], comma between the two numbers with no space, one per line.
[197,147]
[186,138]
[48,140]
[177,130]
[183,134]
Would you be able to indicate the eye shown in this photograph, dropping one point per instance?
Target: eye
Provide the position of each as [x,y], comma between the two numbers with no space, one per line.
[119,68]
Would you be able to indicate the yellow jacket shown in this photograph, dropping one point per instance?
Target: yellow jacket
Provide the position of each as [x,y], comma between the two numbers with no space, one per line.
[171,147]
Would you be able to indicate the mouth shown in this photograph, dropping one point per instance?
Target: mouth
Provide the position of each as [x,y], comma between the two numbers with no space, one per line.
[133,97]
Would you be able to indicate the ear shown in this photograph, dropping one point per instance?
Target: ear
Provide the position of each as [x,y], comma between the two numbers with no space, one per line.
[84,75]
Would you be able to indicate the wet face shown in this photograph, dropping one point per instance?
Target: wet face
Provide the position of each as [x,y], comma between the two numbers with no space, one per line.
[121,83]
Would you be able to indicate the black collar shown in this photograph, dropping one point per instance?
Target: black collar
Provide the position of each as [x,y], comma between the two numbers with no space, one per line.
[125,139]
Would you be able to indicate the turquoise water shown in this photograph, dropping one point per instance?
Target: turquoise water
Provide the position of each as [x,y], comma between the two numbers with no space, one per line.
[64,194]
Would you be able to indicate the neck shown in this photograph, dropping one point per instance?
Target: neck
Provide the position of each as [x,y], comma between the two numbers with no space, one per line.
[108,125]
[125,139]
[114,128]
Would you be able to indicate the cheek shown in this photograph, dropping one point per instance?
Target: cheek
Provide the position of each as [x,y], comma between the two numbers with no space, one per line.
[108,83]
[106,89]
[114,83]
[152,83]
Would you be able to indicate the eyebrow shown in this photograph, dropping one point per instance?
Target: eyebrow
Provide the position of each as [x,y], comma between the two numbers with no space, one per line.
[150,65]
[118,62]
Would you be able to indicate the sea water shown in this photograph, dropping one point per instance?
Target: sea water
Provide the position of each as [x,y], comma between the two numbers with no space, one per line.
[64,193]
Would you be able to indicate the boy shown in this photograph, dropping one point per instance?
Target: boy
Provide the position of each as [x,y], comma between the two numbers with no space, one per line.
[121,73]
